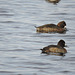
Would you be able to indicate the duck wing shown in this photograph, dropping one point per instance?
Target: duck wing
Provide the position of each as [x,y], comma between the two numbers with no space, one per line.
[48,25]
[56,49]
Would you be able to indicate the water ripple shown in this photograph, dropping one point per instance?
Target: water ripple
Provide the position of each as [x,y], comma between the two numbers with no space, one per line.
[20,44]
[6,72]
[6,14]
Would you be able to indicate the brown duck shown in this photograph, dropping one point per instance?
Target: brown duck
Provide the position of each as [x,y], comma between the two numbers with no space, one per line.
[53,1]
[59,28]
[59,48]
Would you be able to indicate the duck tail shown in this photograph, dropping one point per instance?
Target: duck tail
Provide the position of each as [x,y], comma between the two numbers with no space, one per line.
[41,49]
[35,26]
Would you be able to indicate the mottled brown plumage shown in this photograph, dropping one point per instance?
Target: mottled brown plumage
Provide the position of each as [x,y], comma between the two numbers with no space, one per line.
[59,48]
[59,28]
[53,1]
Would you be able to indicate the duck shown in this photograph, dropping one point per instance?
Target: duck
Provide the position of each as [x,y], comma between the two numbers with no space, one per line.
[59,48]
[49,28]
[53,1]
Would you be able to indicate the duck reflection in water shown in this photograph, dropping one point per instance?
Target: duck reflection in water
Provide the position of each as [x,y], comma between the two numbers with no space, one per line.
[55,49]
[53,1]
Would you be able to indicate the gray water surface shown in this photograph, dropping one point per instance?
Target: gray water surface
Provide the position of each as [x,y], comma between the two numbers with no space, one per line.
[20,44]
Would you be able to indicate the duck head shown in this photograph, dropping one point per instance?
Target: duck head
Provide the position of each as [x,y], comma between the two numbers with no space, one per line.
[61,43]
[62,24]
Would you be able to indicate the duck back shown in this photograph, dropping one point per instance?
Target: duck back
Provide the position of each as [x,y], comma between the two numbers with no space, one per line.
[54,49]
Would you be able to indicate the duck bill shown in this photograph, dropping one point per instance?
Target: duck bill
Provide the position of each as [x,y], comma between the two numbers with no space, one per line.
[64,26]
[66,46]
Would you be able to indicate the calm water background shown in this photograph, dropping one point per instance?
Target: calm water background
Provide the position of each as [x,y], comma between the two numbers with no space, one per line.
[20,44]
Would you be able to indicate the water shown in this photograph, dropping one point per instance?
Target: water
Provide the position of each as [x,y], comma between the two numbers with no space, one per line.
[20,44]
